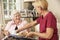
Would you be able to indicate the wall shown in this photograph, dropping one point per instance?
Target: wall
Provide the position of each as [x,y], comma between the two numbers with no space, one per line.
[54,6]
[19,4]
[1,19]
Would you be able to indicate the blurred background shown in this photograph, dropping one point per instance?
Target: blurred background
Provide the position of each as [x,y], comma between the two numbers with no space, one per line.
[27,11]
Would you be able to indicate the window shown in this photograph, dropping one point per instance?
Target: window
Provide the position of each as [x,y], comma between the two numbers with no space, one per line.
[8,6]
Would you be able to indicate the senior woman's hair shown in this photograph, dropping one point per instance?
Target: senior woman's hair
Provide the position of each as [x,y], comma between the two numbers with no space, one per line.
[14,12]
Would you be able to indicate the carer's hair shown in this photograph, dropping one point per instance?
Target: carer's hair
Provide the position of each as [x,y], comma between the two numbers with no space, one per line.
[42,3]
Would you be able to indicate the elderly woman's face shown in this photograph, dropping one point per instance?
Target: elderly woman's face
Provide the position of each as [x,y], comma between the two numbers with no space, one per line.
[16,16]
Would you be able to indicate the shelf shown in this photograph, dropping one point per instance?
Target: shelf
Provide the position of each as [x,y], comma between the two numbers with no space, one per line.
[29,0]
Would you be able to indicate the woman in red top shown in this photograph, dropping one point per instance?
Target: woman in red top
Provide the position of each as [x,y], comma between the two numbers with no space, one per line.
[47,21]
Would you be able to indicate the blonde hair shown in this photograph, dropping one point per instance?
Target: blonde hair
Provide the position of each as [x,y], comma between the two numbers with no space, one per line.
[42,3]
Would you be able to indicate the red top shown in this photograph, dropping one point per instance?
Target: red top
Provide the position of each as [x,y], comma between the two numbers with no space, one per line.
[49,21]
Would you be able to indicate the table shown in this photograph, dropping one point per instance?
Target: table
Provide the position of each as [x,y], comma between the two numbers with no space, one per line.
[20,37]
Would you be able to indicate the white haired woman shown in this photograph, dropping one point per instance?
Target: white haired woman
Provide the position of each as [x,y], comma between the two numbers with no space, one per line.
[15,24]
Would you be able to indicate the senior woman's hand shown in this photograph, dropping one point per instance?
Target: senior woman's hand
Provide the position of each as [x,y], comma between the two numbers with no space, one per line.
[6,33]
[17,31]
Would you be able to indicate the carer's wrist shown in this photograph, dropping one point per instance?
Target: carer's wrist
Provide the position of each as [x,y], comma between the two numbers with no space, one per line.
[34,33]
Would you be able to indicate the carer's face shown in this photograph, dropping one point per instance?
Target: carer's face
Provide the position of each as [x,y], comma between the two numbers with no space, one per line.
[17,16]
[38,9]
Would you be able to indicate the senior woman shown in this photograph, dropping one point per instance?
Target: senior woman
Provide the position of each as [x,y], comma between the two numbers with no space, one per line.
[47,21]
[15,24]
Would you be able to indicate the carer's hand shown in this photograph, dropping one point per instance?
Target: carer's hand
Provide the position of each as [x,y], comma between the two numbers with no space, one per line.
[30,34]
